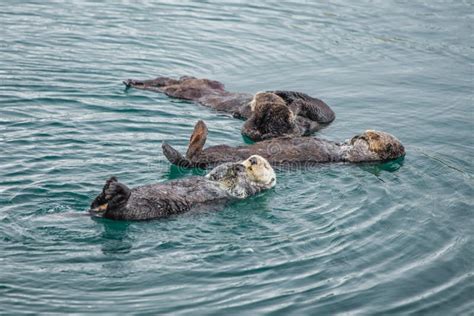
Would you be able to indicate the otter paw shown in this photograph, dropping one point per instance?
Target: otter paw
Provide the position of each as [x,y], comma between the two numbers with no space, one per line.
[100,202]
[116,190]
[116,195]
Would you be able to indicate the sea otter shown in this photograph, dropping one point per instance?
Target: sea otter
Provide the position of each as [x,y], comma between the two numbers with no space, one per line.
[227,182]
[289,151]
[269,114]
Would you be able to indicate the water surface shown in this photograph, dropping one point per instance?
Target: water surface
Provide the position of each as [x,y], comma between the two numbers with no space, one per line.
[391,238]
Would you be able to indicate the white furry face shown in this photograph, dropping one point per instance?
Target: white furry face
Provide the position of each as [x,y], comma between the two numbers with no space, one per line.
[259,171]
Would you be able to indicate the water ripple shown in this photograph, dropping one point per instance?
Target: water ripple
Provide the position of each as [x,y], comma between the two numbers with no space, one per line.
[388,238]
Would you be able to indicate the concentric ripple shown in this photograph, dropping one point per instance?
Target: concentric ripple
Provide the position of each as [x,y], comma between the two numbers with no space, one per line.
[388,238]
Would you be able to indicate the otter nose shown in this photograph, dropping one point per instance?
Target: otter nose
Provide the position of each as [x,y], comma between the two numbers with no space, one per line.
[253,161]
[239,168]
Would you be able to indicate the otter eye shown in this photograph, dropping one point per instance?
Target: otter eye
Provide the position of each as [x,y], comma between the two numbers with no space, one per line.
[253,161]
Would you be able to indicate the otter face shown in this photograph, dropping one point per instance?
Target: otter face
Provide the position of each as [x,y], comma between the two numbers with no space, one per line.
[374,145]
[258,170]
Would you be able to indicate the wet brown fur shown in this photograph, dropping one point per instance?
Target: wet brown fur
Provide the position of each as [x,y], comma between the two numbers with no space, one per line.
[271,117]
[270,114]
[293,151]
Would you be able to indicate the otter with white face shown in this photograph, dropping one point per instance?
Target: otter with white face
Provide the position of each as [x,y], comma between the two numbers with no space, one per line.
[259,170]
[289,151]
[225,183]
[269,114]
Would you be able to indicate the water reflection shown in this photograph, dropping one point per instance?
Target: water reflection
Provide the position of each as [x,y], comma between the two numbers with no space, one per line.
[115,239]
[376,168]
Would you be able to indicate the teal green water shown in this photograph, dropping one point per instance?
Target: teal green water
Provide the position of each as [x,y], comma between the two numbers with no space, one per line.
[392,238]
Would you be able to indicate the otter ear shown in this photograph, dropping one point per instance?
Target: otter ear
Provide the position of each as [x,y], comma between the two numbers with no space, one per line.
[197,140]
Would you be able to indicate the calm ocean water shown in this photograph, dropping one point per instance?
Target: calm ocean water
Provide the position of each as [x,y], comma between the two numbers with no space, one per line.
[388,238]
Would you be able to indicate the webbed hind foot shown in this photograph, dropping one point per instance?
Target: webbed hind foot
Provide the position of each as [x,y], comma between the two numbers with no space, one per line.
[116,194]
[113,194]
[153,84]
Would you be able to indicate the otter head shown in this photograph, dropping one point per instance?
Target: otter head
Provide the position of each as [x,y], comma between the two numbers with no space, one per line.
[259,171]
[244,178]
[374,146]
[261,98]
[271,117]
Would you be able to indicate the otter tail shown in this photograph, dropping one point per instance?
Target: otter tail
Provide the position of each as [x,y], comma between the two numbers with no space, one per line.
[175,156]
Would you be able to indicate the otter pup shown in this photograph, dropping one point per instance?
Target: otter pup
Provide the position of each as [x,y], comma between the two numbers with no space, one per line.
[368,146]
[226,182]
[271,117]
[285,113]
[269,114]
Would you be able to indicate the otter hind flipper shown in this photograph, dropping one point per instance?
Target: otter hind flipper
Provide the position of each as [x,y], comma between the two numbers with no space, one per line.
[132,83]
[197,140]
[175,157]
[100,202]
[157,84]
[114,194]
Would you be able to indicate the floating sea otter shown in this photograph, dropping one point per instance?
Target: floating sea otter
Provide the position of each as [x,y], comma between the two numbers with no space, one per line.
[269,114]
[369,146]
[227,182]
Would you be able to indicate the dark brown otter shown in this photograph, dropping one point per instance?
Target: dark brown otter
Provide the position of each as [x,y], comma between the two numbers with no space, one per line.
[269,114]
[285,113]
[289,151]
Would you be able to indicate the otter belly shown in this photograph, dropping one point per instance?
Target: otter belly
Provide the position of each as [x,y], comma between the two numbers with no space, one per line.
[175,197]
[279,152]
